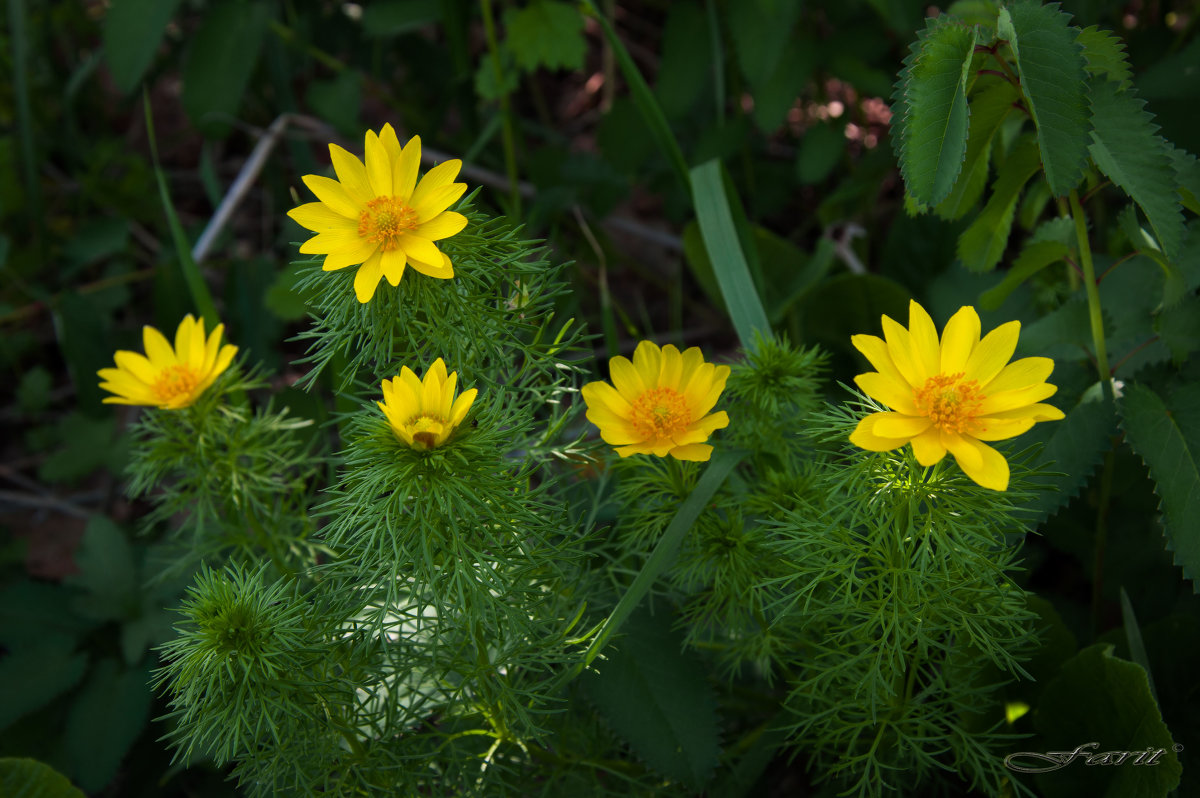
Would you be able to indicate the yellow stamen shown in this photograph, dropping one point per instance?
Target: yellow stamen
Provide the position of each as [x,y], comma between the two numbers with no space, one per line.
[949,401]
[425,430]
[385,220]
[660,413]
[173,381]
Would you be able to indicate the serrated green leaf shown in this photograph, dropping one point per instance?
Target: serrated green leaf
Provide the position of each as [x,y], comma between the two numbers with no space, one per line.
[107,572]
[1060,333]
[221,60]
[1036,256]
[1178,326]
[1127,149]
[546,33]
[982,244]
[28,778]
[1060,229]
[1074,448]
[989,108]
[975,12]
[1097,697]
[932,138]
[657,698]
[1187,176]
[1051,66]
[109,714]
[1154,431]
[1105,54]
[133,30]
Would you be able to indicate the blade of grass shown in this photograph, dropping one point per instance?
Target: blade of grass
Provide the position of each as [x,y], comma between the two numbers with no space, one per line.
[666,550]
[643,97]
[720,236]
[191,272]
[1133,634]
[17,24]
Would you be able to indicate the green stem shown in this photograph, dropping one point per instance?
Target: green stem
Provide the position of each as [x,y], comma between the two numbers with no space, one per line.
[1093,294]
[664,553]
[510,146]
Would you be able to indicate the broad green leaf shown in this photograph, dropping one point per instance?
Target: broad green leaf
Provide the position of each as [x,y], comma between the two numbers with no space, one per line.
[1099,698]
[1036,256]
[820,151]
[87,444]
[220,62]
[847,304]
[1074,448]
[33,391]
[106,718]
[107,572]
[1126,147]
[989,108]
[394,17]
[1105,54]
[715,218]
[982,244]
[31,676]
[932,135]
[32,611]
[975,12]
[133,30]
[656,697]
[1060,333]
[546,33]
[1051,66]
[338,101]
[685,58]
[1187,175]
[762,32]
[1178,326]
[28,778]
[1156,432]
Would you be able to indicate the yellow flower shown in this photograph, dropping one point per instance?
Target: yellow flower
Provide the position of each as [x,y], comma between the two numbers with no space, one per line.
[953,395]
[165,377]
[660,403]
[423,414]
[379,216]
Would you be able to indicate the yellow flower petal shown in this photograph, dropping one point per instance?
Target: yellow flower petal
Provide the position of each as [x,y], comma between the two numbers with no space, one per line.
[999,429]
[169,376]
[993,352]
[928,447]
[318,217]
[331,193]
[1020,374]
[404,171]
[897,425]
[443,225]
[626,378]
[393,265]
[436,201]
[864,436]
[1012,400]
[924,339]
[350,256]
[391,144]
[366,279]
[900,350]
[959,338]
[352,175]
[983,464]
[157,349]
[601,394]
[378,167]
[423,413]
[439,176]
[421,249]
[897,395]
[443,271]
[647,359]
[697,452]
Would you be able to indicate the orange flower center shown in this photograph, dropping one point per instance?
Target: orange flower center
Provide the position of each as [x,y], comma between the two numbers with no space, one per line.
[425,430]
[385,220]
[950,401]
[660,413]
[176,381]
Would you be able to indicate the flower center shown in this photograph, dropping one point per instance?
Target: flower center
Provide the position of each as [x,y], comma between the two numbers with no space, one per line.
[384,220]
[660,413]
[175,381]
[425,430]
[950,401]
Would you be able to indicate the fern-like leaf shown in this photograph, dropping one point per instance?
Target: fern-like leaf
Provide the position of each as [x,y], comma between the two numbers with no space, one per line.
[1051,65]
[932,135]
[1128,150]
